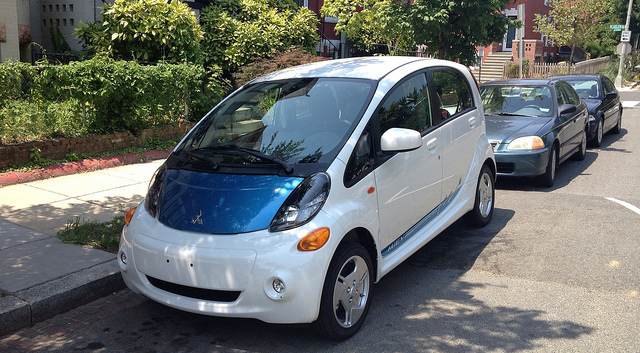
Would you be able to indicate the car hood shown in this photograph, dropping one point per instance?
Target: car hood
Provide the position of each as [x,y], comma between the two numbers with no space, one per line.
[506,128]
[221,203]
[592,104]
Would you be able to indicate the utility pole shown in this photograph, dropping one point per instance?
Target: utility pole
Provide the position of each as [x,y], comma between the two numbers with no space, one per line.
[623,54]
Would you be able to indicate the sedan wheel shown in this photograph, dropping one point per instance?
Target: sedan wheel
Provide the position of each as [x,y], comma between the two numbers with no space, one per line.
[482,210]
[597,140]
[618,127]
[549,175]
[346,292]
[582,149]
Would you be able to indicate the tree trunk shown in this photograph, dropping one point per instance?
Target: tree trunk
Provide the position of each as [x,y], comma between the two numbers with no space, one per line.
[573,47]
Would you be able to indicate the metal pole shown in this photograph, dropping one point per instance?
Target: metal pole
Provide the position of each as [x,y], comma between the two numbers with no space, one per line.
[623,55]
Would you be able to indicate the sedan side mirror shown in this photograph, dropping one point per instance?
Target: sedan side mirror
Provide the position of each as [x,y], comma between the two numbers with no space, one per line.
[400,140]
[611,95]
[566,109]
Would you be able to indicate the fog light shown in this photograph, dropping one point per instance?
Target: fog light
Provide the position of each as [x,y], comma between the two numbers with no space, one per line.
[123,257]
[275,288]
[278,285]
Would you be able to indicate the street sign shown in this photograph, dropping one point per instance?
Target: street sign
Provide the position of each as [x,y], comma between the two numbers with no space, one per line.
[616,28]
[626,36]
[623,48]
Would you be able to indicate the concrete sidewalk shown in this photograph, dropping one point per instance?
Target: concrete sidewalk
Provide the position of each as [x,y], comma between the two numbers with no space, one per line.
[39,276]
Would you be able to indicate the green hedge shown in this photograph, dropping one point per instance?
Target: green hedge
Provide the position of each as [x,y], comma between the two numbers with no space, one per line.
[100,96]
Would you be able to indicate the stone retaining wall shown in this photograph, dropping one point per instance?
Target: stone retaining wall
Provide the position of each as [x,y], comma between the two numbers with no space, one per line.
[59,148]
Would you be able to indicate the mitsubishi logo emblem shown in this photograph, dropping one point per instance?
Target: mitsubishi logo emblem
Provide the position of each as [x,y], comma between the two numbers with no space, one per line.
[197,220]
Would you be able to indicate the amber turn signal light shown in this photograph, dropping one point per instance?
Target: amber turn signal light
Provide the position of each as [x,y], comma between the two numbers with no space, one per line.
[129,215]
[314,240]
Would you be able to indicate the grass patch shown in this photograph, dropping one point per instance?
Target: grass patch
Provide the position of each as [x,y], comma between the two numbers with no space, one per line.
[98,235]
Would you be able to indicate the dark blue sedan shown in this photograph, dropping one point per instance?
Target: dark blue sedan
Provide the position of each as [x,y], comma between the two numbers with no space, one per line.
[603,102]
[534,125]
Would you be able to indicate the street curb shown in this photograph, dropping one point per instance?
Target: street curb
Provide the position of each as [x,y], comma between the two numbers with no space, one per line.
[10,178]
[30,306]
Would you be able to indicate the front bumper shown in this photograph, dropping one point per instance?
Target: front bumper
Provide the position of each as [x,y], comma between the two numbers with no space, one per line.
[522,163]
[226,275]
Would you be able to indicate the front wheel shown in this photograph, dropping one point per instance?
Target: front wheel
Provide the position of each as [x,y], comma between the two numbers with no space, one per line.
[618,127]
[549,175]
[483,206]
[597,139]
[581,153]
[346,293]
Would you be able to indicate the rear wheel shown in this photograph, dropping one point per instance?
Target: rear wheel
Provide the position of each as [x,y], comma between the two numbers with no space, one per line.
[597,139]
[549,175]
[582,149]
[483,206]
[618,127]
[346,292]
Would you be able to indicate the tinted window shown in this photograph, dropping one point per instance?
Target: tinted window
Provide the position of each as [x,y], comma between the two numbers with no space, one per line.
[362,158]
[453,93]
[407,106]
[608,85]
[508,99]
[585,88]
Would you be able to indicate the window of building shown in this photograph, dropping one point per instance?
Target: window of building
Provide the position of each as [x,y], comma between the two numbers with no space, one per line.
[70,7]
[44,23]
[64,8]
[57,8]
[64,22]
[44,8]
[71,22]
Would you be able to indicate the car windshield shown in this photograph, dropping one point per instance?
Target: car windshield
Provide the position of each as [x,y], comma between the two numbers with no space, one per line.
[585,88]
[525,100]
[304,120]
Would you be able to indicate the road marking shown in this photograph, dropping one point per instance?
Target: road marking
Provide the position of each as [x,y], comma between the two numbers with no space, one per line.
[625,204]
[629,104]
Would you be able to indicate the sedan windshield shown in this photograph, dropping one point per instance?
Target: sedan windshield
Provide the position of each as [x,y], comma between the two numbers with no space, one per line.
[287,122]
[521,100]
[585,88]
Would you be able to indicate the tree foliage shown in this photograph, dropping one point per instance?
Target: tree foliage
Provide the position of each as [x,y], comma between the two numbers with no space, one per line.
[443,28]
[149,30]
[239,30]
[572,22]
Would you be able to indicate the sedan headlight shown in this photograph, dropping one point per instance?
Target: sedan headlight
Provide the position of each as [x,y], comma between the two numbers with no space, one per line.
[304,202]
[153,193]
[526,143]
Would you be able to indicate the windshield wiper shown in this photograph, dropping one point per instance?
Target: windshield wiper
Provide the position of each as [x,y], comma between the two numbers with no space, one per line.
[509,114]
[202,157]
[287,168]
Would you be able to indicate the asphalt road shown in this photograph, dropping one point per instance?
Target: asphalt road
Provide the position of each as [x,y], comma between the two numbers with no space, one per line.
[557,270]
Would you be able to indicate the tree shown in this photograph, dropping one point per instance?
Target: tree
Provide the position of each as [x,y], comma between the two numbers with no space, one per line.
[237,31]
[443,28]
[371,22]
[150,30]
[572,22]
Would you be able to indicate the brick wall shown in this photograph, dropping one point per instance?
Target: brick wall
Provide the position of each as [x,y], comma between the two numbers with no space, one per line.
[59,148]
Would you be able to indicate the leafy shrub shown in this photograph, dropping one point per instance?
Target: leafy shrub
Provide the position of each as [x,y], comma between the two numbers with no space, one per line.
[292,56]
[150,30]
[238,30]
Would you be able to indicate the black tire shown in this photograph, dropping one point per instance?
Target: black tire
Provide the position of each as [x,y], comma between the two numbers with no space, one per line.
[616,129]
[346,294]
[581,153]
[597,139]
[482,211]
[549,175]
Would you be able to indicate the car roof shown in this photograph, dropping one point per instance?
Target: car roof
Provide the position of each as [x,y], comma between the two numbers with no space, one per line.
[522,81]
[373,68]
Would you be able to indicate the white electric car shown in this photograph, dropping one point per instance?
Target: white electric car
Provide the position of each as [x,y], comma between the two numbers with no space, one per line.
[295,194]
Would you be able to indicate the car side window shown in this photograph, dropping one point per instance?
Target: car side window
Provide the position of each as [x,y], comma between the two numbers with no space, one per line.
[362,158]
[572,96]
[608,85]
[561,95]
[453,94]
[407,106]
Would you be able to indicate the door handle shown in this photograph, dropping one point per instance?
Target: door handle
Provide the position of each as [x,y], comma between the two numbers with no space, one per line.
[433,143]
[472,121]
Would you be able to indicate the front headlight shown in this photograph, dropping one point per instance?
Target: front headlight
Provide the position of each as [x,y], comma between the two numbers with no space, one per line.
[153,193]
[526,143]
[304,202]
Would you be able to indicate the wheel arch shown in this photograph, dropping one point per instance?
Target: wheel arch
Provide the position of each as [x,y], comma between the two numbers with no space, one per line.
[363,237]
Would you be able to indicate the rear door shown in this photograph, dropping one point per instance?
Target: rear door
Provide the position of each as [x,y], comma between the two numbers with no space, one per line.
[459,124]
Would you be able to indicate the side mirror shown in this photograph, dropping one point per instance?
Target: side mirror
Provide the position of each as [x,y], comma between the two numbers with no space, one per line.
[566,109]
[611,95]
[400,140]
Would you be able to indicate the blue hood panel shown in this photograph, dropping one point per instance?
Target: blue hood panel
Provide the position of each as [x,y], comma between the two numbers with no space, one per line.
[506,128]
[221,203]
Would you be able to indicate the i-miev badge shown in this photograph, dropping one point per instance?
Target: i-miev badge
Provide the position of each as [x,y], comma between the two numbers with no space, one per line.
[197,219]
